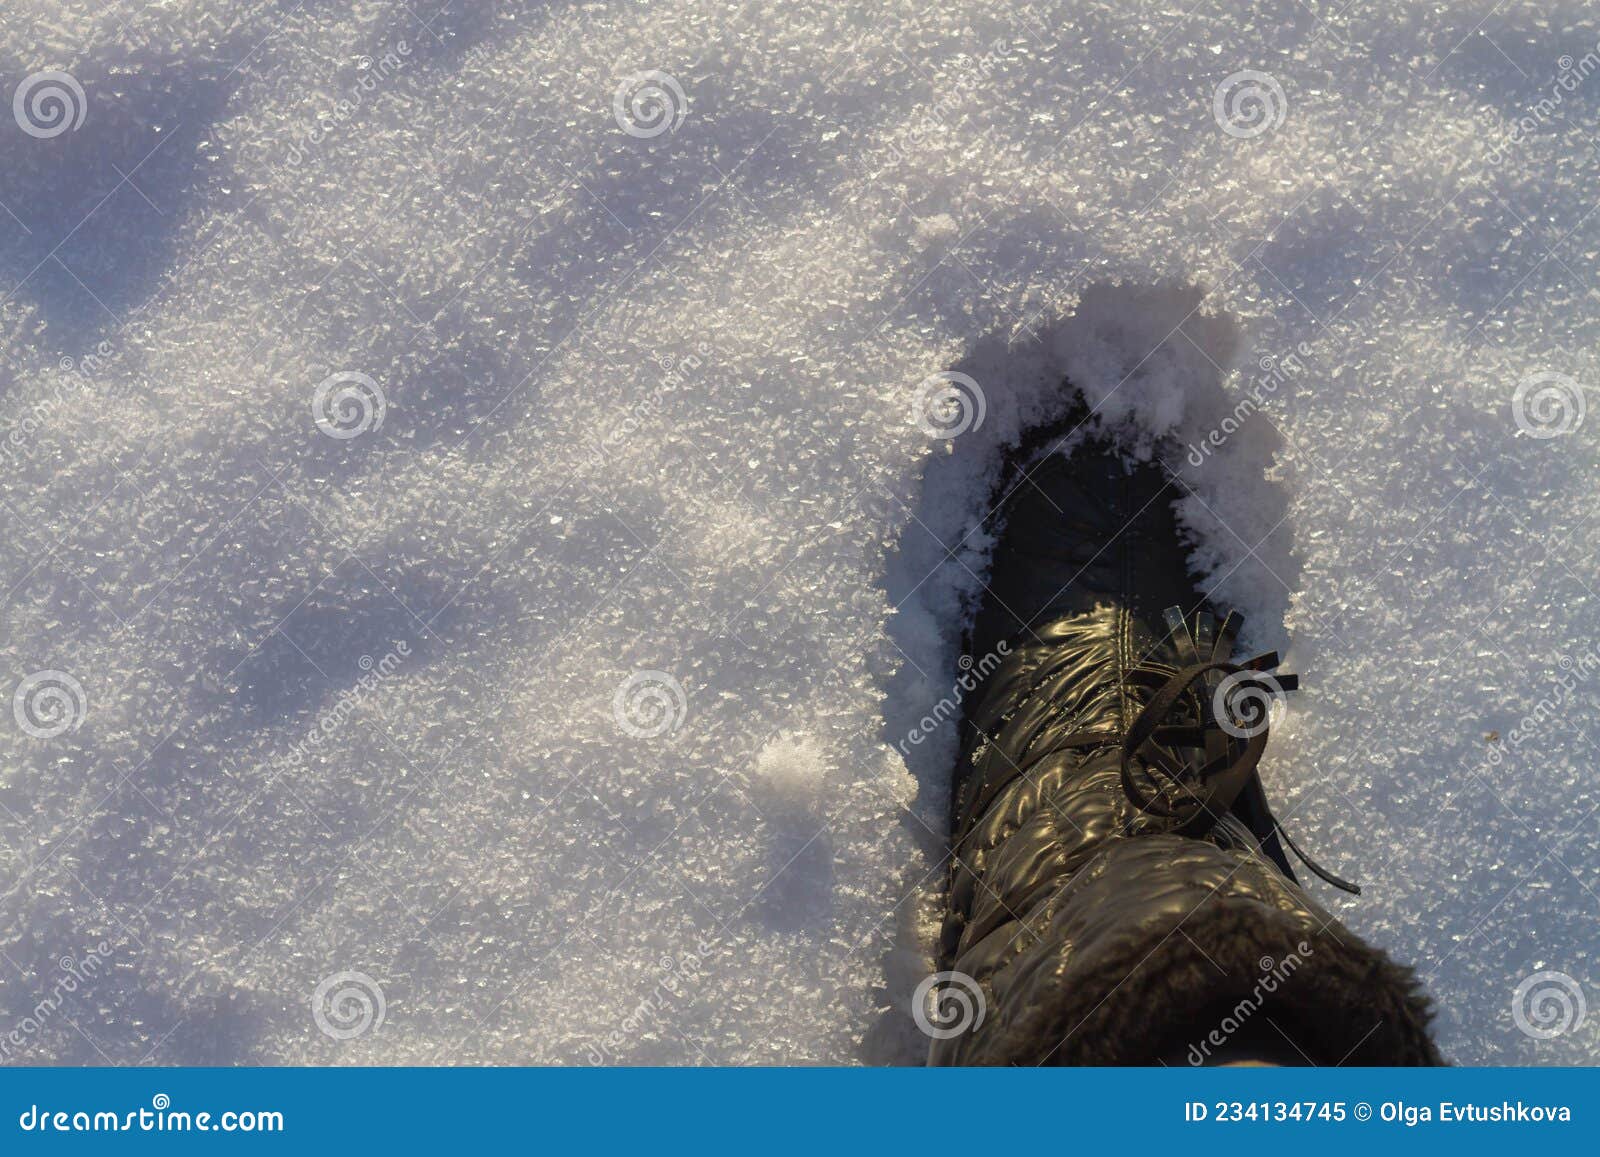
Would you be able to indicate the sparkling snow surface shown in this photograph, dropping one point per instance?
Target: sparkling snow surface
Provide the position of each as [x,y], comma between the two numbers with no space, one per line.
[556,716]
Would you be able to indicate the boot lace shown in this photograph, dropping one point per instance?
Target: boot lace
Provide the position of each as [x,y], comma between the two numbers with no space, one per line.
[1202,732]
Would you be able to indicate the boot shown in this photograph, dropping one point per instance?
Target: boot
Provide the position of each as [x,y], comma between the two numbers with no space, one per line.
[1119,890]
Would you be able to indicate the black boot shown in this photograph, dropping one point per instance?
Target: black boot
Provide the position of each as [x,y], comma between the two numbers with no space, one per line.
[1119,890]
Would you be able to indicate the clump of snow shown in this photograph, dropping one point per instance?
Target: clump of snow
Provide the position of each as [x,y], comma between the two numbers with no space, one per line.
[388,384]
[792,770]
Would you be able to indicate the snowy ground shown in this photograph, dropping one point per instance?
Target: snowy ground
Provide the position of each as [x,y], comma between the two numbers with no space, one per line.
[608,630]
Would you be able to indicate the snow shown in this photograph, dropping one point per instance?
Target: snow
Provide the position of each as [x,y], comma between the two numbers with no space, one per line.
[388,385]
